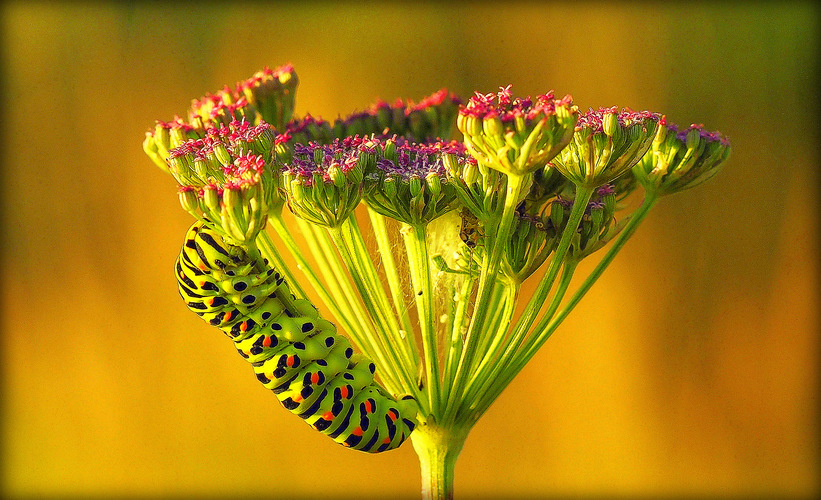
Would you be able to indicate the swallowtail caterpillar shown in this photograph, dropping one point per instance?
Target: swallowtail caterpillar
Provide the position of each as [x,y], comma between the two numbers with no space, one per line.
[311,369]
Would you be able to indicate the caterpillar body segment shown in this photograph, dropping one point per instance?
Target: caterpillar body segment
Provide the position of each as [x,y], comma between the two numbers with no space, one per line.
[312,370]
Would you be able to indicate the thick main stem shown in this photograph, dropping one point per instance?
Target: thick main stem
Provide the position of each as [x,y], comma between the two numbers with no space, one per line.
[438,448]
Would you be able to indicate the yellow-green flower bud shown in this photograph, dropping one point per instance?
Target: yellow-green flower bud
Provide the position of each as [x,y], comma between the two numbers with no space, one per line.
[211,198]
[189,200]
[610,122]
[415,184]
[222,154]
[434,183]
[336,175]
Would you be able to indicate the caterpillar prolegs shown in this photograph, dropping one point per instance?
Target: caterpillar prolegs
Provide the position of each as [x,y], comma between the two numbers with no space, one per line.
[294,352]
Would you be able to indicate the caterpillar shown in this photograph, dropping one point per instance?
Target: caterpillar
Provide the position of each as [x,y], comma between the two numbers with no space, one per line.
[311,369]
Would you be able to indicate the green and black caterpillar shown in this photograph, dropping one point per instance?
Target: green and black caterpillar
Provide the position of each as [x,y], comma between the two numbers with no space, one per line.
[297,354]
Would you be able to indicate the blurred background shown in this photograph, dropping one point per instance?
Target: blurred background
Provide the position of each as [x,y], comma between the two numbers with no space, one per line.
[691,369]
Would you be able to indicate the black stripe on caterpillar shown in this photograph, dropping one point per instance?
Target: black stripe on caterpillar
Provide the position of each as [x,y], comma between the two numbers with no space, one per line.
[311,369]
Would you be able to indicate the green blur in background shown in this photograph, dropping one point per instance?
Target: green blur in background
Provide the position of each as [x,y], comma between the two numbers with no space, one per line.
[690,369]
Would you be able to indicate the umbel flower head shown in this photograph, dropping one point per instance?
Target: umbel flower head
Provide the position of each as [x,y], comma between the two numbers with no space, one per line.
[598,225]
[166,136]
[309,129]
[679,160]
[229,178]
[409,183]
[323,182]
[268,96]
[607,143]
[516,136]
[433,117]
[428,120]
[272,93]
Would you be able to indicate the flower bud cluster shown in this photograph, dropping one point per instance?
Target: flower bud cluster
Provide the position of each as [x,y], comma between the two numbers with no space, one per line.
[598,224]
[679,160]
[222,108]
[323,182]
[410,183]
[166,136]
[606,144]
[529,246]
[433,117]
[429,120]
[547,183]
[272,94]
[516,136]
[228,177]
[479,188]
[309,129]
[268,96]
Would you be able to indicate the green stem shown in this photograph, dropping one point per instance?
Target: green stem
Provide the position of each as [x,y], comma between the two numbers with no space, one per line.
[540,336]
[398,342]
[635,220]
[487,282]
[343,299]
[540,296]
[386,333]
[491,362]
[454,343]
[402,342]
[419,262]
[493,385]
[438,448]
[503,295]
[270,252]
[378,223]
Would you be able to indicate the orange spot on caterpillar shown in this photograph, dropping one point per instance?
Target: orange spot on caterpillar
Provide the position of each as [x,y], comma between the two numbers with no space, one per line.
[202,266]
[210,301]
[244,326]
[290,361]
[314,378]
[368,406]
[343,391]
[297,398]
[387,440]
[357,431]
[227,316]
[328,416]
[266,342]
[392,415]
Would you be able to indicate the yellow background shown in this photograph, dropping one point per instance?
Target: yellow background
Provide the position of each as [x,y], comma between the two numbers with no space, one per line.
[690,369]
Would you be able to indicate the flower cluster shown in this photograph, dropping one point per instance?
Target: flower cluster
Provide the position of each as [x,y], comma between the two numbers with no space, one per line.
[606,144]
[681,159]
[598,225]
[323,182]
[265,98]
[229,177]
[534,183]
[428,120]
[516,135]
[410,182]
[166,136]
[268,96]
